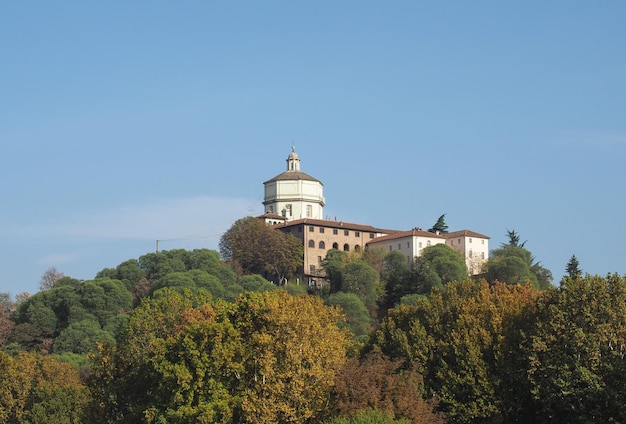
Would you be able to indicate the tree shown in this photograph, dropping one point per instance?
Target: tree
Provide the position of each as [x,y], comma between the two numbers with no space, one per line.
[440,227]
[394,275]
[333,266]
[514,239]
[446,262]
[187,358]
[357,318]
[6,323]
[361,279]
[290,362]
[369,416]
[572,269]
[377,382]
[461,339]
[436,266]
[576,355]
[260,249]
[513,263]
[40,389]
[49,278]
[81,337]
[375,257]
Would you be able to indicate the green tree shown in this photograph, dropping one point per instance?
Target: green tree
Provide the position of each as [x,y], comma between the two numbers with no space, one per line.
[436,266]
[157,265]
[81,338]
[573,268]
[440,227]
[461,339]
[260,249]
[256,283]
[333,265]
[361,279]
[577,353]
[128,272]
[357,317]
[6,312]
[370,416]
[514,239]
[513,263]
[394,275]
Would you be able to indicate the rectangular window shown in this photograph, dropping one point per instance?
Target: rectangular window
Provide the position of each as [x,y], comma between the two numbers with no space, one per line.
[408,244]
[312,268]
[371,235]
[357,234]
[420,244]
[390,247]
[311,229]
[335,231]
[470,240]
[321,230]
[399,246]
[319,259]
[482,242]
[309,211]
[346,232]
[482,255]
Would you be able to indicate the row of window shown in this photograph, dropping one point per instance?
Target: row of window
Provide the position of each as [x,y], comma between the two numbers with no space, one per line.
[287,211]
[322,245]
[408,245]
[336,231]
[469,240]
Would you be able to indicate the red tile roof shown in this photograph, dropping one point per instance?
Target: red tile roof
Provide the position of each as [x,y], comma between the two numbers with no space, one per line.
[415,232]
[465,233]
[334,224]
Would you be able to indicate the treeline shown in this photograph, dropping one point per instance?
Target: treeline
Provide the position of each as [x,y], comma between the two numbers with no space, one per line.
[180,336]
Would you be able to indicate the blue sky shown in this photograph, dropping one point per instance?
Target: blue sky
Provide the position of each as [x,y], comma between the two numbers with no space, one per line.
[123,123]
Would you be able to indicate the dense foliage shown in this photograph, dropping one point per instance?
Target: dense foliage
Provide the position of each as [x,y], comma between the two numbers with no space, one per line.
[181,336]
[259,249]
[510,353]
[189,359]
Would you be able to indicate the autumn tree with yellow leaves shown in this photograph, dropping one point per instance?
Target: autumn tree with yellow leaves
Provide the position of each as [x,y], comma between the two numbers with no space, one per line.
[266,358]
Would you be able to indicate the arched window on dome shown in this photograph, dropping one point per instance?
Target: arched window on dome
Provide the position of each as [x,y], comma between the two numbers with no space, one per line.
[322,245]
[311,243]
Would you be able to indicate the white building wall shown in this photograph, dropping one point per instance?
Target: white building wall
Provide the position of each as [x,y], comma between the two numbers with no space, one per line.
[475,251]
[410,246]
[303,198]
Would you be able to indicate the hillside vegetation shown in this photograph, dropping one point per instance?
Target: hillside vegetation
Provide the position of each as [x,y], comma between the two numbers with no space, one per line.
[181,336]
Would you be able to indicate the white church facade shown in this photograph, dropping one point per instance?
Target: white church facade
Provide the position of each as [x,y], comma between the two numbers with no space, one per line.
[294,203]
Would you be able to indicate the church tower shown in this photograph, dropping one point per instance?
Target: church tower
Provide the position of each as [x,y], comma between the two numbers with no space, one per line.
[294,194]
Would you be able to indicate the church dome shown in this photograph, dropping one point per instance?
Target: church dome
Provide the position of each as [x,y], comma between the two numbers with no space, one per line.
[293,170]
